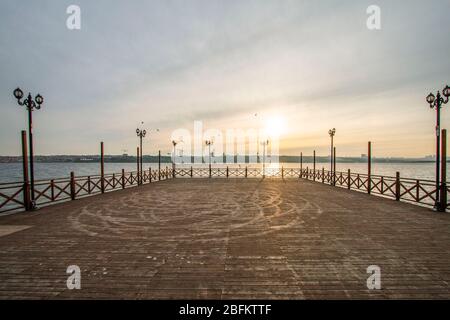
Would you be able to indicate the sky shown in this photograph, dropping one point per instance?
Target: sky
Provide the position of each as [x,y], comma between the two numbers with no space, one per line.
[302,67]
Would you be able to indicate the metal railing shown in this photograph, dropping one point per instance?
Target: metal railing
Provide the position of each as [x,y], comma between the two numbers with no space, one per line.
[13,195]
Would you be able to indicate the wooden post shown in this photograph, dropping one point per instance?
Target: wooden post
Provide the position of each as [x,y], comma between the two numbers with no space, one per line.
[323,175]
[334,166]
[150,174]
[227,172]
[307,173]
[52,190]
[26,182]
[397,186]
[443,198]
[369,167]
[349,180]
[159,165]
[89,184]
[246,172]
[282,172]
[192,172]
[102,168]
[301,164]
[72,185]
[123,178]
[138,168]
[314,166]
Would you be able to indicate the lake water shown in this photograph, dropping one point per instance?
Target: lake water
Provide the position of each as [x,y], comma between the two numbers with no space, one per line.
[12,172]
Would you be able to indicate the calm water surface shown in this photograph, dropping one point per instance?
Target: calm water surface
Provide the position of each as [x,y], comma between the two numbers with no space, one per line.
[11,172]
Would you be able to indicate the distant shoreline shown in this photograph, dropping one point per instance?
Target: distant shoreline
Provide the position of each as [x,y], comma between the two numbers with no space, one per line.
[198,160]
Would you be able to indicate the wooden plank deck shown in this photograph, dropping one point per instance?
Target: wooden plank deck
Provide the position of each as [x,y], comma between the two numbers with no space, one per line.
[220,239]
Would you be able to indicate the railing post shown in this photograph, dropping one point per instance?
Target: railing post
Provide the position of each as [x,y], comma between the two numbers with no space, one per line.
[89,184]
[307,173]
[102,168]
[382,185]
[173,171]
[72,185]
[397,186]
[301,165]
[150,175]
[26,183]
[159,165]
[314,165]
[443,197]
[192,172]
[227,172]
[323,175]
[282,172]
[369,167]
[52,189]
[246,172]
[114,180]
[123,178]
[349,181]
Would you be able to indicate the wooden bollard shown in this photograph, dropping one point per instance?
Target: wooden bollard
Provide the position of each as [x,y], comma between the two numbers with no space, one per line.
[150,175]
[52,189]
[349,180]
[314,166]
[227,172]
[123,178]
[102,168]
[369,167]
[26,184]
[323,175]
[72,185]
[443,197]
[397,186]
[307,173]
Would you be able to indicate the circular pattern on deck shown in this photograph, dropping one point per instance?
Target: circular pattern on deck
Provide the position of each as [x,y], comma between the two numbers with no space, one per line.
[213,211]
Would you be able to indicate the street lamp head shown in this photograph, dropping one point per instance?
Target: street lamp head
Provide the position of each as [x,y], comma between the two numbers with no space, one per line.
[430,99]
[39,100]
[144,133]
[138,131]
[18,94]
[332,132]
[446,91]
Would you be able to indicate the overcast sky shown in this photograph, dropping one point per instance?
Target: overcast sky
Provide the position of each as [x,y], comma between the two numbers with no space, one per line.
[313,64]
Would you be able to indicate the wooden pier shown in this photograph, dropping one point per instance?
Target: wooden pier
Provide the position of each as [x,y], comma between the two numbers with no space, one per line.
[227,238]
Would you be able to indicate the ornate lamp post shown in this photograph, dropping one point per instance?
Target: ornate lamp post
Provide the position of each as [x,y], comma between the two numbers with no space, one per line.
[31,105]
[209,143]
[331,132]
[436,102]
[141,134]
[264,144]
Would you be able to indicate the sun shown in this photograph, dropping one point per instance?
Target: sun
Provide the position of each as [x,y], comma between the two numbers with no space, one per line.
[275,126]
